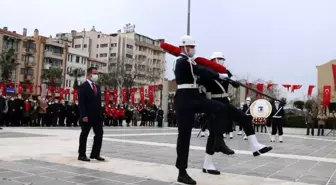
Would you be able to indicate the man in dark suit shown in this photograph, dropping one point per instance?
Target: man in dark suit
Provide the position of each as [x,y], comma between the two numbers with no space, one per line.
[90,115]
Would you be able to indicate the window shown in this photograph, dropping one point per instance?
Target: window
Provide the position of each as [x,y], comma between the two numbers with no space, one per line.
[77,59]
[97,45]
[129,46]
[98,36]
[85,45]
[129,56]
[27,71]
[96,55]
[77,46]
[114,45]
[103,55]
[113,54]
[103,45]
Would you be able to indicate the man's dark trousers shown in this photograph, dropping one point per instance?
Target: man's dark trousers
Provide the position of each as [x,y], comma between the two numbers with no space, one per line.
[97,139]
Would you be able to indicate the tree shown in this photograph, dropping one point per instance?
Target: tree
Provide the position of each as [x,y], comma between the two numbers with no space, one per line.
[8,63]
[52,76]
[122,73]
[299,104]
[154,76]
[76,73]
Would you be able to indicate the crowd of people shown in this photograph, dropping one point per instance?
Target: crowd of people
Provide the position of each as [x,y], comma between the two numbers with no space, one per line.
[41,112]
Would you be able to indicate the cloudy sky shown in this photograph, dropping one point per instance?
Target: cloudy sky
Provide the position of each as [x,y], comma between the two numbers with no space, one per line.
[278,40]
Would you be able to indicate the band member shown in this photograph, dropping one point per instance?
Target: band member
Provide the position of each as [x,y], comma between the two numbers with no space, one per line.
[278,114]
[246,110]
[188,101]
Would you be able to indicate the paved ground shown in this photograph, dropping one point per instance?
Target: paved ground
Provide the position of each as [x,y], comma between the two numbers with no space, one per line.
[146,156]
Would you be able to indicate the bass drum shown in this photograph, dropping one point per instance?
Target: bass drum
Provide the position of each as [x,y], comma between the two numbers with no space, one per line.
[260,110]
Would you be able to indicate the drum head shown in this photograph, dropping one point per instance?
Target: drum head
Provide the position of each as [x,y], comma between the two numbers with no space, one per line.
[261,108]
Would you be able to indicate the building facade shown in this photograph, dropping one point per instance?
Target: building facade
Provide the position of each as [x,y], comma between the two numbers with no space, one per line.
[77,60]
[122,52]
[325,76]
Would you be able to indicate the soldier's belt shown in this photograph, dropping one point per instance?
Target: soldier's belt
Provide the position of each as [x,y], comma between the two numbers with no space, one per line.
[277,116]
[187,86]
[223,95]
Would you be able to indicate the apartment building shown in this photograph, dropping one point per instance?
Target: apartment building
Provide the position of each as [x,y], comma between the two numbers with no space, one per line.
[126,51]
[76,60]
[11,40]
[325,76]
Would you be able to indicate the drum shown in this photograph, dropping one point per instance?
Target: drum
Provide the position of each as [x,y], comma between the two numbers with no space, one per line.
[260,110]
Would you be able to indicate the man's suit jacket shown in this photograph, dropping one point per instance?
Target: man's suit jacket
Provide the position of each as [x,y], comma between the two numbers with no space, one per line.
[89,103]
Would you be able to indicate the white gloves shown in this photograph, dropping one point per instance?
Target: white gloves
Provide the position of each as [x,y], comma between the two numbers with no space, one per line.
[223,76]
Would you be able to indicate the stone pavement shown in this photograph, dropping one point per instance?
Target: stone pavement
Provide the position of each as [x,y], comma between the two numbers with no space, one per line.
[147,155]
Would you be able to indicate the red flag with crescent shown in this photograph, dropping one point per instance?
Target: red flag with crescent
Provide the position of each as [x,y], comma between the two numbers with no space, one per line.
[310,89]
[326,95]
[132,96]
[142,95]
[107,97]
[124,95]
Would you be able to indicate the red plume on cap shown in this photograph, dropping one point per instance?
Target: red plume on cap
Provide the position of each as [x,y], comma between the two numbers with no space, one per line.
[212,65]
[173,50]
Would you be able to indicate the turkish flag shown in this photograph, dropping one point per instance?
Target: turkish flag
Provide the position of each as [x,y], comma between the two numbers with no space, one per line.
[269,85]
[310,89]
[115,96]
[132,96]
[124,95]
[296,87]
[19,86]
[326,95]
[30,87]
[151,94]
[246,89]
[61,93]
[142,95]
[107,97]
[75,95]
[3,89]
[260,87]
[287,86]
[334,74]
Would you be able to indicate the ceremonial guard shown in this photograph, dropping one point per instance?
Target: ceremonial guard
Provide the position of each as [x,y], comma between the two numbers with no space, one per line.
[56,109]
[62,114]
[76,114]
[189,101]
[69,114]
[246,110]
[170,117]
[144,115]
[160,117]
[128,115]
[121,116]
[277,115]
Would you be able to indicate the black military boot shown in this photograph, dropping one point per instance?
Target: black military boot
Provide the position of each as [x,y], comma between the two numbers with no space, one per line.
[220,146]
[184,178]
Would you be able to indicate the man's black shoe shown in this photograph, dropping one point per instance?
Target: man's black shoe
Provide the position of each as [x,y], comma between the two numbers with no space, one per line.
[222,147]
[185,179]
[83,158]
[97,158]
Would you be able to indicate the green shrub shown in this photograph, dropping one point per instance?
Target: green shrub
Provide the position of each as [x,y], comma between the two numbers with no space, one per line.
[299,122]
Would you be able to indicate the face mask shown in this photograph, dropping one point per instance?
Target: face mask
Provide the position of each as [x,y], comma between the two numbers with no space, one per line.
[277,104]
[56,101]
[248,102]
[191,52]
[220,61]
[12,98]
[94,77]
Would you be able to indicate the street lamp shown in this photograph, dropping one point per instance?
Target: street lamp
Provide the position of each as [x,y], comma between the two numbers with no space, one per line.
[188,18]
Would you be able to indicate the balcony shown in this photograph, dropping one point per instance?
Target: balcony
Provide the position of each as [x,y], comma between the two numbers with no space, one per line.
[30,51]
[49,54]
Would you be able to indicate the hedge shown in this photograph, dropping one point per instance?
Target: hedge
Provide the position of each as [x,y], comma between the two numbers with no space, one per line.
[299,122]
